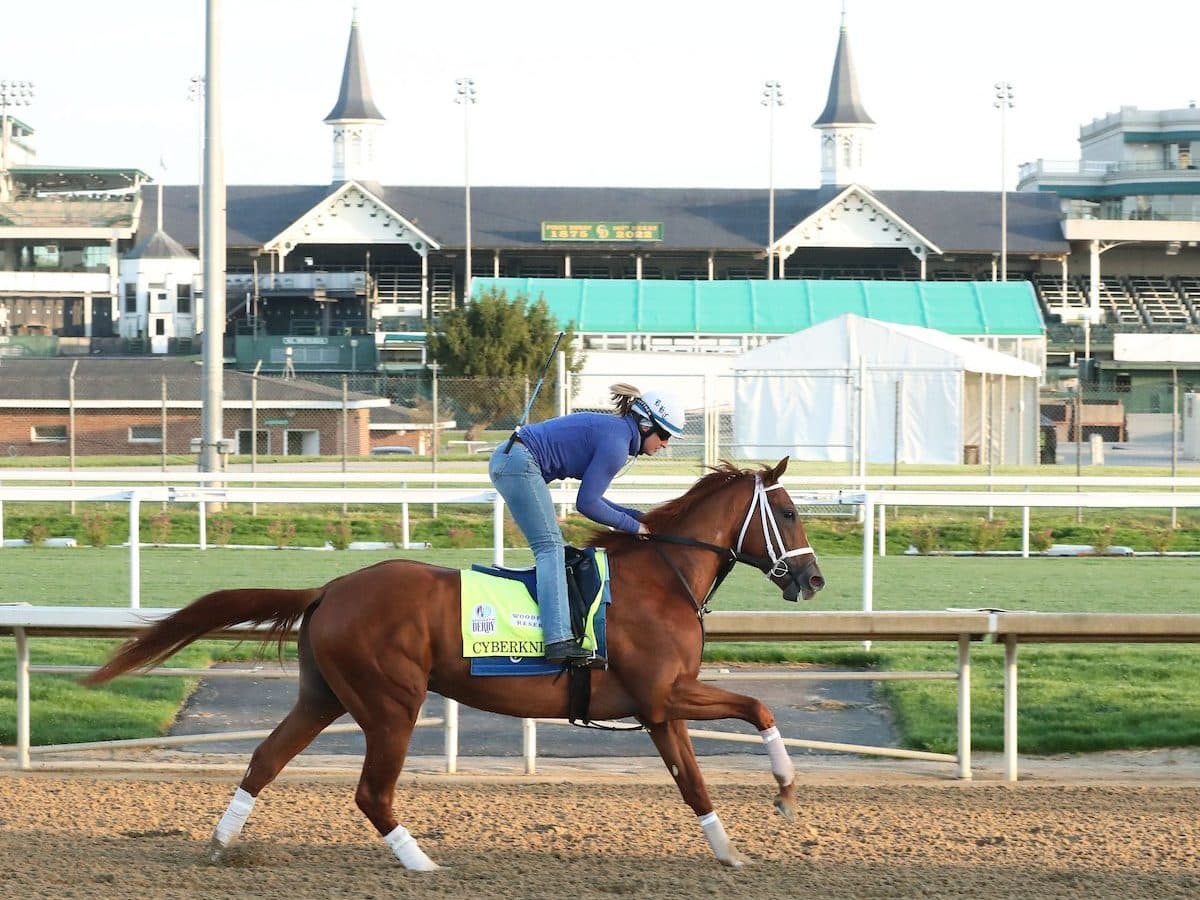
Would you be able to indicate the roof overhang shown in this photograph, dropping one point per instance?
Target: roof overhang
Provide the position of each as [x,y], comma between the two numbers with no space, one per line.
[855,218]
[352,214]
[1137,230]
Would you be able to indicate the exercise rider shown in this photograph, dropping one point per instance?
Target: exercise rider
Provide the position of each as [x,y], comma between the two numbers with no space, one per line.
[591,447]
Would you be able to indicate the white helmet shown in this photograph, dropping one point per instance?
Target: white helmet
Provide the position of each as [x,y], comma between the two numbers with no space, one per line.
[662,409]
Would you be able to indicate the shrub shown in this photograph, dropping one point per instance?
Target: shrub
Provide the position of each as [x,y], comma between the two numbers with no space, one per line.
[95,528]
[281,532]
[340,533]
[220,529]
[1103,540]
[1041,541]
[36,534]
[393,532]
[1160,539]
[160,527]
[985,535]
[925,538]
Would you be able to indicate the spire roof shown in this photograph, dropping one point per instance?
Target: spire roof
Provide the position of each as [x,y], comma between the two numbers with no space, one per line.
[159,245]
[844,106]
[354,100]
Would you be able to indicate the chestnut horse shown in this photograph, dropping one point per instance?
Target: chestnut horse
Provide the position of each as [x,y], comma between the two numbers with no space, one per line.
[372,643]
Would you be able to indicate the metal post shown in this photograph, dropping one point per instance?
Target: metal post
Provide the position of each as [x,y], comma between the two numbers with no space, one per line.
[529,745]
[135,550]
[466,96]
[1003,102]
[868,575]
[964,706]
[1174,440]
[772,96]
[345,428]
[1025,532]
[883,529]
[450,733]
[71,422]
[497,530]
[1010,707]
[212,424]
[22,698]
[254,430]
[162,426]
[433,368]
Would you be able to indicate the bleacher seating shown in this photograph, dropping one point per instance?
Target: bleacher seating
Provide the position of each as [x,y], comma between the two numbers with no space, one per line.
[1189,293]
[1058,294]
[1115,299]
[1159,300]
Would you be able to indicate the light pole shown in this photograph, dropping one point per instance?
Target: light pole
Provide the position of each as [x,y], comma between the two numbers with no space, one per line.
[772,96]
[12,93]
[1003,101]
[196,95]
[465,95]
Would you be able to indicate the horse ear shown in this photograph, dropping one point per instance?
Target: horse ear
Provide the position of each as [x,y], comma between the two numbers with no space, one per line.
[780,468]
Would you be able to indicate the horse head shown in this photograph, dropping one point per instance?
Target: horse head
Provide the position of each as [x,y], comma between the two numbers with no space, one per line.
[773,532]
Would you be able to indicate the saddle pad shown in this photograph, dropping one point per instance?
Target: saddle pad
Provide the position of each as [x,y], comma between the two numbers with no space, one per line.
[501,629]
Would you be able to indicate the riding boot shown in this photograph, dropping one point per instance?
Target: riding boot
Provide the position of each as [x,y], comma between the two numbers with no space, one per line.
[568,651]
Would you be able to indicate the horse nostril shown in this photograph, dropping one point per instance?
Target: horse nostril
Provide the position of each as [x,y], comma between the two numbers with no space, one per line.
[816,582]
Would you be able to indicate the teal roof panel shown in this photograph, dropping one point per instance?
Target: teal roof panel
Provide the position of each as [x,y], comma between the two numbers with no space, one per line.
[777,307]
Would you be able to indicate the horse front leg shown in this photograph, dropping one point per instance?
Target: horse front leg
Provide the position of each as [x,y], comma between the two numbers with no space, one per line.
[675,747]
[691,699]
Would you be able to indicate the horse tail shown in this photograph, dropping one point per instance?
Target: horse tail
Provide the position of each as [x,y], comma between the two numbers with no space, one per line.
[212,612]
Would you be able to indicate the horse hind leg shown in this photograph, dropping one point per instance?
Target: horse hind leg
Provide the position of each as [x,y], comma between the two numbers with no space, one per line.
[316,707]
[387,747]
[675,747]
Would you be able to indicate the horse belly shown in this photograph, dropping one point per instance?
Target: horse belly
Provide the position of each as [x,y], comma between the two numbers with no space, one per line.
[535,697]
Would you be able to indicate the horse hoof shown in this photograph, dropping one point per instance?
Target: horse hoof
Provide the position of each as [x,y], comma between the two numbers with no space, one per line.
[786,807]
[216,852]
[734,860]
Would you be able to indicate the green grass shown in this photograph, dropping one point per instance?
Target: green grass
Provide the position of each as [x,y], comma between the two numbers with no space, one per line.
[1072,697]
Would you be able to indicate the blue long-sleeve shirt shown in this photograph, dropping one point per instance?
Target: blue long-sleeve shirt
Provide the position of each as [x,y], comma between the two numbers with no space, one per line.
[591,447]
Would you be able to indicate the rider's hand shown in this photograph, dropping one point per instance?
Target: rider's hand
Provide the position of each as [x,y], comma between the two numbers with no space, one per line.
[642,531]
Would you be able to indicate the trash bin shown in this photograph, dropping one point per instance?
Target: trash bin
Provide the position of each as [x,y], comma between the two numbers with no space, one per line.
[970,454]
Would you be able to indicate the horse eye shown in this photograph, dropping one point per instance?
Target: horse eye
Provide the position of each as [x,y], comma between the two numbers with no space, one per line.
[789,514]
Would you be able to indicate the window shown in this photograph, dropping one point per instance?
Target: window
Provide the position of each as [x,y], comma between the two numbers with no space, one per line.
[145,434]
[96,257]
[183,298]
[160,326]
[130,297]
[49,434]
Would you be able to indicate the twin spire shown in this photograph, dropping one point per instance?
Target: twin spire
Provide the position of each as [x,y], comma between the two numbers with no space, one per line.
[356,120]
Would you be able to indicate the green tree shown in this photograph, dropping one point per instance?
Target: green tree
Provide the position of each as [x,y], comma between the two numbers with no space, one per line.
[504,344]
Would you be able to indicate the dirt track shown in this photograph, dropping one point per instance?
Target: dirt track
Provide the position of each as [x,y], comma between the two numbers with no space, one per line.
[111,835]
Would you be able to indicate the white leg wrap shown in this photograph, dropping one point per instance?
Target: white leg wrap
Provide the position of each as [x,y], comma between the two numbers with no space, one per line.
[234,820]
[714,832]
[405,846]
[781,763]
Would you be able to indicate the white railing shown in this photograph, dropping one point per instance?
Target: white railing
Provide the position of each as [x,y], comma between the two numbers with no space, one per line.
[961,626]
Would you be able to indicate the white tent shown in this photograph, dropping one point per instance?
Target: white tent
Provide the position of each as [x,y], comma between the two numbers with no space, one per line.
[929,397]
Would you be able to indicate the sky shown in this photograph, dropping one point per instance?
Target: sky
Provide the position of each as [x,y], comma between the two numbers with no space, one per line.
[655,93]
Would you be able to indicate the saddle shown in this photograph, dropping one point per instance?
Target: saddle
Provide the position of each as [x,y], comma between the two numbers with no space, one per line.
[583,582]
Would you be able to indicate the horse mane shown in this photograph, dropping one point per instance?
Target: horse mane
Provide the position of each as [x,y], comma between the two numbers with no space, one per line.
[666,519]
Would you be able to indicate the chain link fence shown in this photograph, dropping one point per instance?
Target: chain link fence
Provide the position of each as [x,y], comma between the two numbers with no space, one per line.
[745,418]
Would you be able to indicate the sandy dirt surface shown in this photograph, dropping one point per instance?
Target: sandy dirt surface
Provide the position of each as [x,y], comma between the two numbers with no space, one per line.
[622,830]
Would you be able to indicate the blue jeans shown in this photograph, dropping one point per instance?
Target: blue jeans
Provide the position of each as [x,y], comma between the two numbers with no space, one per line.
[518,479]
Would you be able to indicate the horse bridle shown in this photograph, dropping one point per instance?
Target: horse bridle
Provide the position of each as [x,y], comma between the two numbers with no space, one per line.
[774,567]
